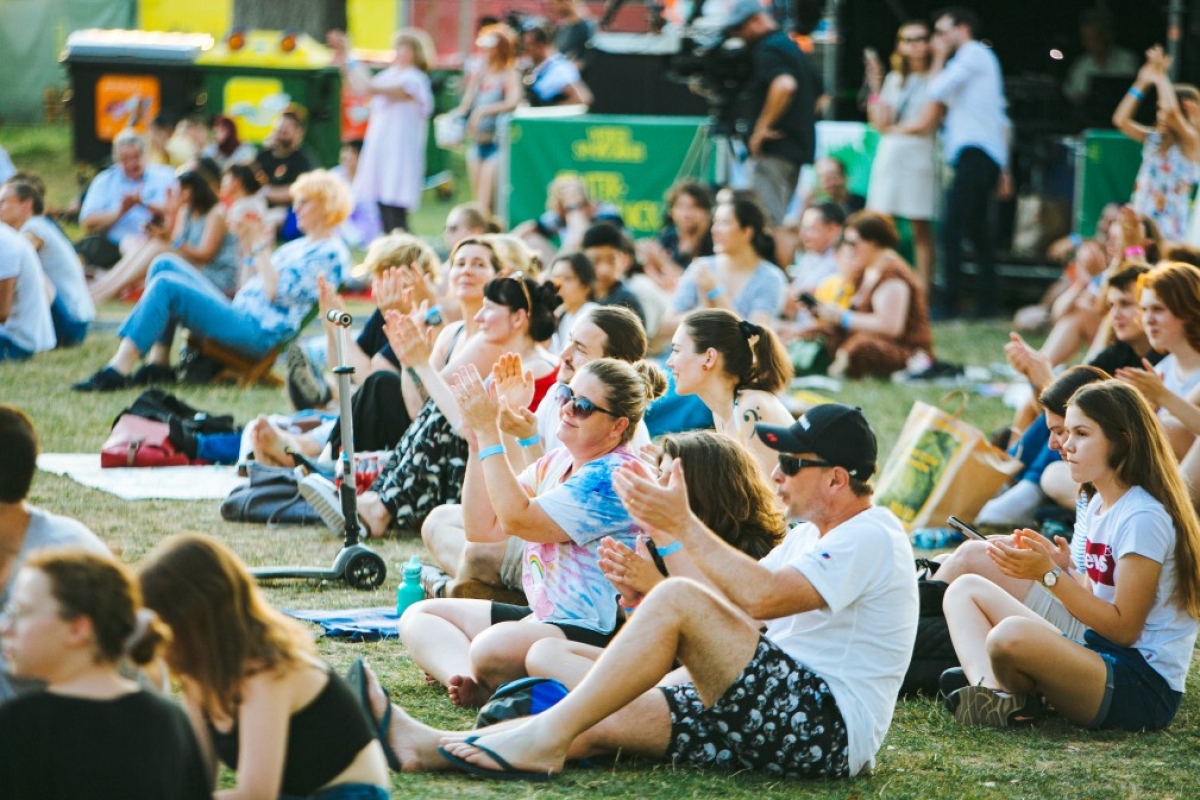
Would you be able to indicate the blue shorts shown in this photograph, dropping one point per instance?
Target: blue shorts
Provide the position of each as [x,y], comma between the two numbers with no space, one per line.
[486,150]
[1136,697]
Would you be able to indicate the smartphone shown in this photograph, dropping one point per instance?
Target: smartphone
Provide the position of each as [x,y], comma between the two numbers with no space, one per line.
[809,301]
[964,528]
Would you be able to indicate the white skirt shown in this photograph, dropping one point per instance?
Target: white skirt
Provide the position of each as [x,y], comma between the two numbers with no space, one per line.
[904,177]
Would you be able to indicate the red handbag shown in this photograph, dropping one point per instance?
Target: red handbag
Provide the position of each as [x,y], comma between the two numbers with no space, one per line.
[139,442]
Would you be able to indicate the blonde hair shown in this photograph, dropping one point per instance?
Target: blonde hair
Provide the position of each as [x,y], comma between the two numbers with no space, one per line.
[329,191]
[515,254]
[421,44]
[398,250]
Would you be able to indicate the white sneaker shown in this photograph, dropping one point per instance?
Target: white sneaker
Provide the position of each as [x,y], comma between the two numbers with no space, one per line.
[323,496]
[1012,508]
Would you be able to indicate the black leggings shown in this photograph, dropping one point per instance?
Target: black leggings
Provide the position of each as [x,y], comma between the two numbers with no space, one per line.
[393,217]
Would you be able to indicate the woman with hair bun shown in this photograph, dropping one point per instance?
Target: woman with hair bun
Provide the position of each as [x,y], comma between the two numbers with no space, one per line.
[562,506]
[73,616]
[888,319]
[736,368]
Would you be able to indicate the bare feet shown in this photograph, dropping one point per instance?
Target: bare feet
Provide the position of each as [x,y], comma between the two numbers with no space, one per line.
[270,444]
[465,692]
[415,745]
[526,748]
[374,514]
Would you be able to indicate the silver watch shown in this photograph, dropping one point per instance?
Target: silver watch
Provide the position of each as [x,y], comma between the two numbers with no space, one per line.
[1050,579]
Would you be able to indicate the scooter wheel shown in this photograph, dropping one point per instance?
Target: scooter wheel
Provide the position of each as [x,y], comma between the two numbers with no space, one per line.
[366,571]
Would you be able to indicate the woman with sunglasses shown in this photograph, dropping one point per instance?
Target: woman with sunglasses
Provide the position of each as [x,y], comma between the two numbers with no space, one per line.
[736,368]
[887,322]
[73,617]
[426,468]
[562,505]
[903,174]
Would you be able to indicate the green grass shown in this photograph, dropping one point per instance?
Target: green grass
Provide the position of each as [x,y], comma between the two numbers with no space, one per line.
[925,754]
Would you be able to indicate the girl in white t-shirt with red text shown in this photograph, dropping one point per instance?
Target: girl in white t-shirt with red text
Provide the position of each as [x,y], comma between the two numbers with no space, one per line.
[1139,595]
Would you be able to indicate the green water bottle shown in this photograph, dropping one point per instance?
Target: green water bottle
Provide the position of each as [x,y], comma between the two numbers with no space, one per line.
[410,590]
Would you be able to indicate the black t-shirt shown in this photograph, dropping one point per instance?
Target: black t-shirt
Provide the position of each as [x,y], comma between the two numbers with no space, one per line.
[284,171]
[774,55]
[572,39]
[1118,355]
[135,747]
[669,239]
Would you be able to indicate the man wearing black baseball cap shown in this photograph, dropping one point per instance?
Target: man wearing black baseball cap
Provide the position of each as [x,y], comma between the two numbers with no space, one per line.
[811,696]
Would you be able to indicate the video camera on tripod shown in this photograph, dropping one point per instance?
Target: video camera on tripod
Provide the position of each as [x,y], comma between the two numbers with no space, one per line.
[717,71]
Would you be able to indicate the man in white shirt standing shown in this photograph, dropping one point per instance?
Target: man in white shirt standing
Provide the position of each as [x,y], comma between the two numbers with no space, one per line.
[811,697]
[968,91]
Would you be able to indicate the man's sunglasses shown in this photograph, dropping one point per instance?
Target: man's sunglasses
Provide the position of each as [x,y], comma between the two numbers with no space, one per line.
[791,465]
[579,407]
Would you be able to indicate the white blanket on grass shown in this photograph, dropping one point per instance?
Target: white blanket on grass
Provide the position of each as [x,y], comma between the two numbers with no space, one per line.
[144,483]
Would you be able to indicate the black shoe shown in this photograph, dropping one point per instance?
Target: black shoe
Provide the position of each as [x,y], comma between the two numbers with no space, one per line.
[106,380]
[305,386]
[950,682]
[152,374]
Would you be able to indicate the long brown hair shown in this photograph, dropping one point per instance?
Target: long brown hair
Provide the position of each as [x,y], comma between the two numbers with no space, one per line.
[1177,285]
[728,491]
[223,628]
[899,63]
[1140,455]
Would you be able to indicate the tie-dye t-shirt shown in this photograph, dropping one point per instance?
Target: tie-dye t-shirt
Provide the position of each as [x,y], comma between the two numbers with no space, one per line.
[562,580]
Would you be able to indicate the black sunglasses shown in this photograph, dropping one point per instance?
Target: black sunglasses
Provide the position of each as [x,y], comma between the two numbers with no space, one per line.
[791,465]
[580,407]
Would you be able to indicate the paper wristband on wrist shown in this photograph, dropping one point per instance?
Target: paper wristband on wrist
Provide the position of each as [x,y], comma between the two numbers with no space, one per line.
[1135,252]
[488,452]
[670,549]
[530,442]
[715,292]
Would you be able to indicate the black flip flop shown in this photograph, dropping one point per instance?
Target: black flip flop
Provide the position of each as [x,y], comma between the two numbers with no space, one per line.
[357,678]
[507,771]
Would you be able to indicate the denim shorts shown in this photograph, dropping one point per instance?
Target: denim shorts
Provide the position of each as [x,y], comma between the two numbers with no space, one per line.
[344,791]
[1136,697]
[486,150]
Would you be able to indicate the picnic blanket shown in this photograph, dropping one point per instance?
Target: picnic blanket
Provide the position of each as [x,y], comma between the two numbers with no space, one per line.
[354,624]
[144,483]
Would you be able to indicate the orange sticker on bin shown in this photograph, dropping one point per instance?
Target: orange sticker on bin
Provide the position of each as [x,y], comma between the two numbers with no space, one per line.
[125,101]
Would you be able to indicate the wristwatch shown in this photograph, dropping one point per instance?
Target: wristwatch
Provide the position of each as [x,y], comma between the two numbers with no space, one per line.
[1050,579]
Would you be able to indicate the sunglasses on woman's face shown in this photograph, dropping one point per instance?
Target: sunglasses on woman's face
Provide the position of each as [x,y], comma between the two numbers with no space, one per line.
[579,407]
[791,465]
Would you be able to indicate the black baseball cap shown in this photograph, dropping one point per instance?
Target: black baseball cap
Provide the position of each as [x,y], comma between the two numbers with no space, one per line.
[837,433]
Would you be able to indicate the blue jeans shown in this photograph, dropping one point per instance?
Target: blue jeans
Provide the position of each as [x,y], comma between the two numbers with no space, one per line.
[178,294]
[344,791]
[1033,450]
[70,331]
[9,351]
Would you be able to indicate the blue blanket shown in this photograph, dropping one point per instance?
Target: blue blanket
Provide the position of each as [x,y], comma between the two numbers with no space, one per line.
[354,624]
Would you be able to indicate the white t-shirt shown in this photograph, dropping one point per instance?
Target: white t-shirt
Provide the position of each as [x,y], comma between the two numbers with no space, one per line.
[1137,523]
[972,89]
[862,641]
[61,265]
[29,325]
[547,424]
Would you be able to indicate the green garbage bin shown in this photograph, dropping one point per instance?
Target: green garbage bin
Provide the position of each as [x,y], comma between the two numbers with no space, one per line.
[122,79]
[1105,168]
[252,77]
[447,89]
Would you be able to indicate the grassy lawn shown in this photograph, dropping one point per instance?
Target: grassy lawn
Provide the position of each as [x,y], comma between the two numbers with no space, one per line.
[925,755]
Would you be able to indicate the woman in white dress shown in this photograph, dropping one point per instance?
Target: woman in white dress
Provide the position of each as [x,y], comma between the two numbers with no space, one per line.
[903,175]
[391,168]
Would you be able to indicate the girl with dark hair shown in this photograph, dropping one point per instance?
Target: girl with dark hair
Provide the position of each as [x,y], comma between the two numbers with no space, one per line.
[227,148]
[426,468]
[562,506]
[739,277]
[887,322]
[736,368]
[257,696]
[195,236]
[686,234]
[574,279]
[72,618]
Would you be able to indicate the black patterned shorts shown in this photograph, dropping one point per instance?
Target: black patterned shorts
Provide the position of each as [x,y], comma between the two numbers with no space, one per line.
[778,717]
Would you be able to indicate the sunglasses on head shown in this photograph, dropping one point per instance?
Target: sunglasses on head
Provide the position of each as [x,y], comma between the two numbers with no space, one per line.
[791,465]
[579,407]
[519,277]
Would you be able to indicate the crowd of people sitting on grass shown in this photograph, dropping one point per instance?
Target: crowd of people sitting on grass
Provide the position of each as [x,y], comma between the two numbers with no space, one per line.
[589,434]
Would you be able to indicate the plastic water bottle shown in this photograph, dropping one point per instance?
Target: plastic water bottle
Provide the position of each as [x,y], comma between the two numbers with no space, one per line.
[410,590]
[935,538]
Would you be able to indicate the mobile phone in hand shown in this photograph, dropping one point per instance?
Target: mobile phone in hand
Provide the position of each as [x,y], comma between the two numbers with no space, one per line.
[964,528]
[809,301]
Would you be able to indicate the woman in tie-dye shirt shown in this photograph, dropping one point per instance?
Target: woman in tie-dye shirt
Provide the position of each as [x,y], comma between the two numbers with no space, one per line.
[562,506]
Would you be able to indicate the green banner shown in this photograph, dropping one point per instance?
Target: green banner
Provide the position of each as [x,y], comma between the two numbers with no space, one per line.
[627,161]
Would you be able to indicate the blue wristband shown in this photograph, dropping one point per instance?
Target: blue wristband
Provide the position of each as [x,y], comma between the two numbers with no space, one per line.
[845,319]
[1075,239]
[671,549]
[715,292]
[488,452]
[1136,92]
[530,442]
